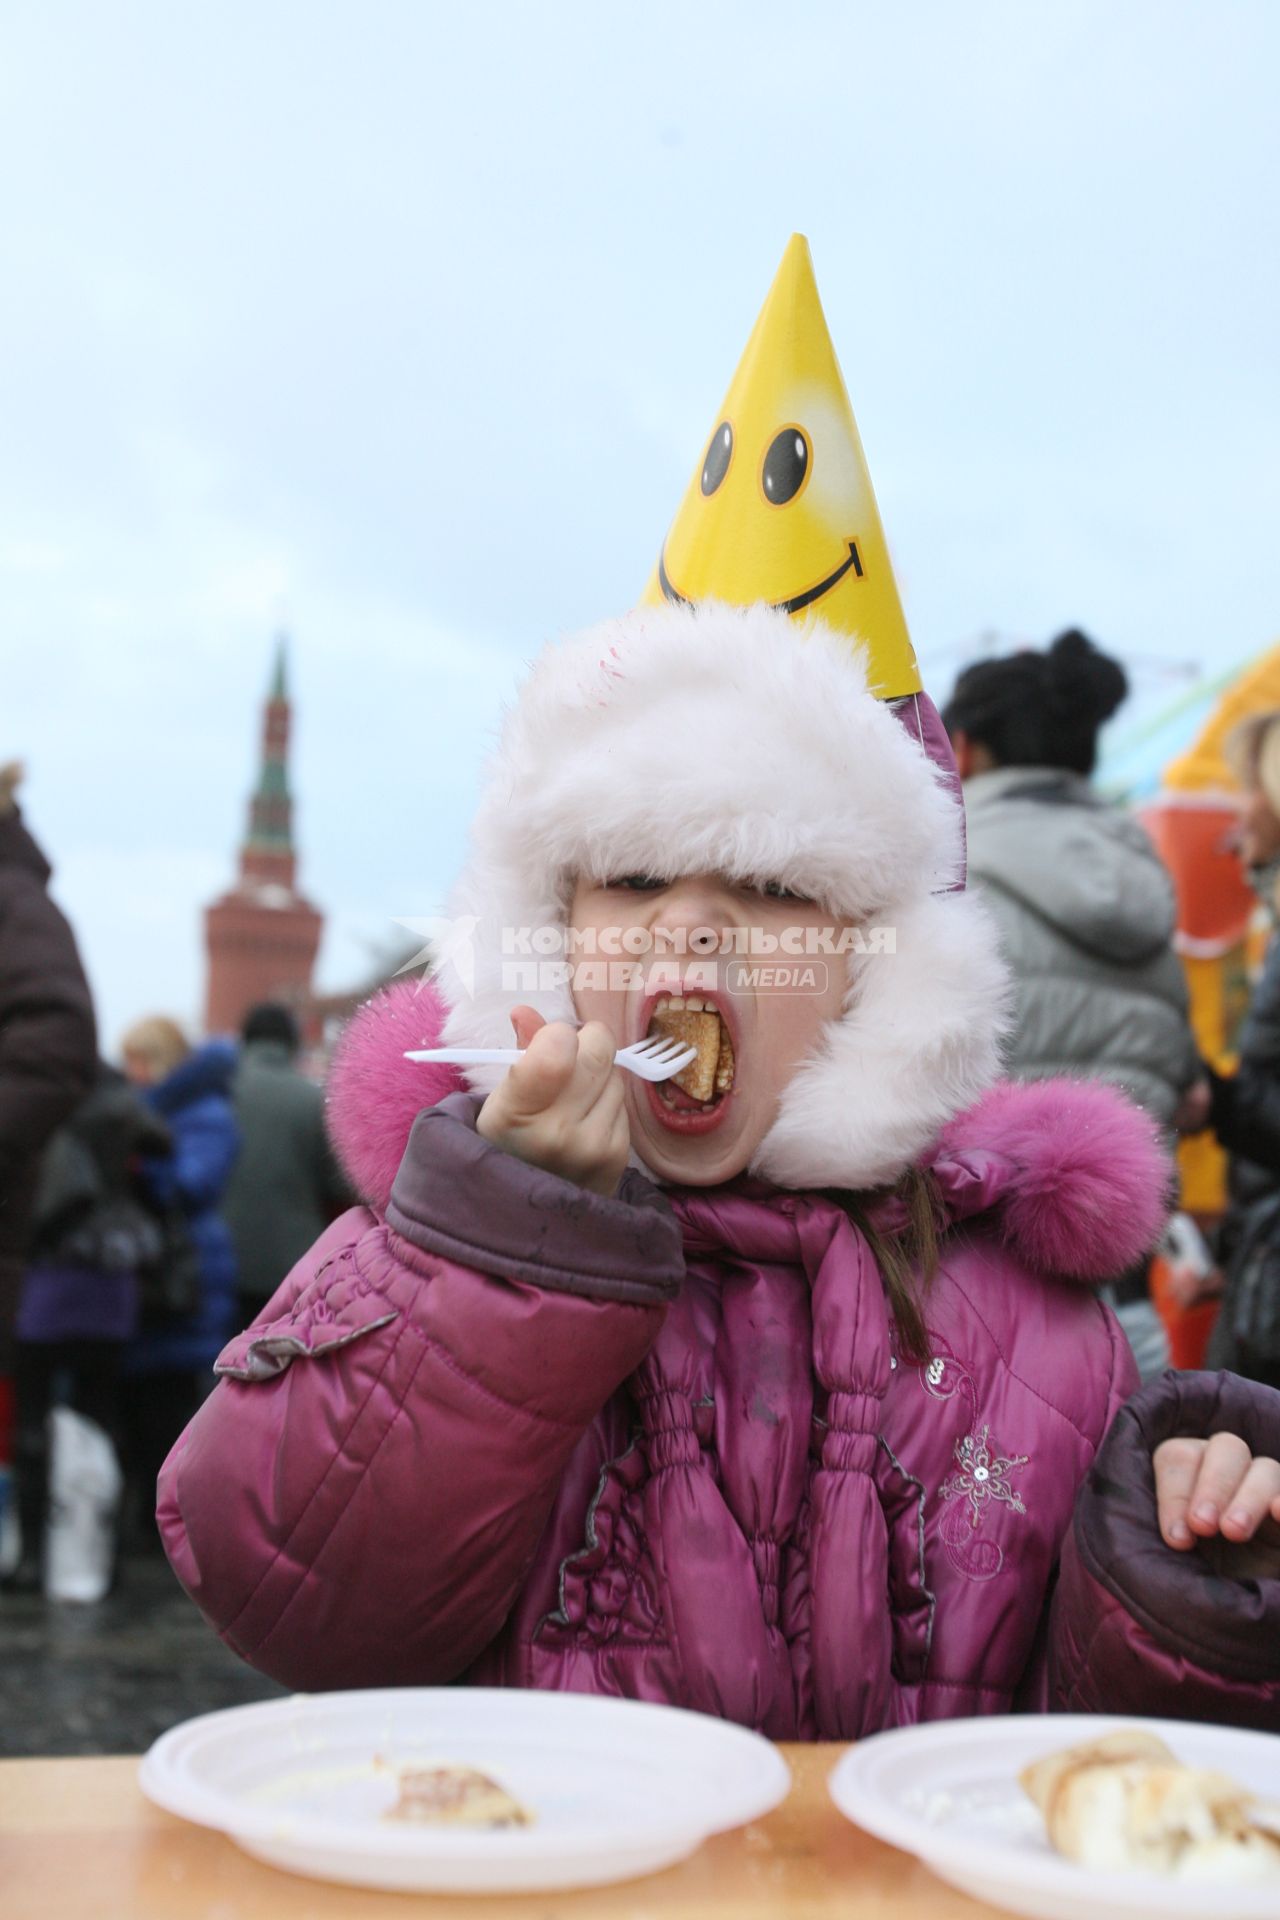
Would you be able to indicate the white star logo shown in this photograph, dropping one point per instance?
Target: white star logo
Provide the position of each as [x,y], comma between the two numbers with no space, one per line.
[446,943]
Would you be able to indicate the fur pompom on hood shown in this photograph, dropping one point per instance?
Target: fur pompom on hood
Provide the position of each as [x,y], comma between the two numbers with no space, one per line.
[1082,1174]
[680,740]
[1070,1176]
[373,1094]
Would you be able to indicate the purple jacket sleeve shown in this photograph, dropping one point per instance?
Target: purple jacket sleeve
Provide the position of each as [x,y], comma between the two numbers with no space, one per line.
[358,1501]
[1140,1628]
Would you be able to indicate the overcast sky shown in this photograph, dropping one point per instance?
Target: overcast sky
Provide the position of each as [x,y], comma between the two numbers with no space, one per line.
[403,325]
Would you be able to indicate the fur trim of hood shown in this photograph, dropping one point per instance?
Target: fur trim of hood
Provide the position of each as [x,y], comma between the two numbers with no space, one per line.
[1071,1176]
[681,740]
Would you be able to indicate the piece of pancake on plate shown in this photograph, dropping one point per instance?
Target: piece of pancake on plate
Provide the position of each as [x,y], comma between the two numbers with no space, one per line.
[1124,1803]
[455,1797]
[1042,1779]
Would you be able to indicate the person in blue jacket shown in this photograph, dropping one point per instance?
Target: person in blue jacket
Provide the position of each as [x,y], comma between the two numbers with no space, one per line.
[188,1311]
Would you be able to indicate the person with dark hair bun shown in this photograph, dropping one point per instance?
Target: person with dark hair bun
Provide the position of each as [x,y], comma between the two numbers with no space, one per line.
[1084,906]
[1035,709]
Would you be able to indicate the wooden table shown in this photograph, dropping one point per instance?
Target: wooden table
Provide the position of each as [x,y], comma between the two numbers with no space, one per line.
[79,1842]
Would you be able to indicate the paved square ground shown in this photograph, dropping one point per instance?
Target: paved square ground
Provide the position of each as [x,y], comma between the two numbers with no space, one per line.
[109,1678]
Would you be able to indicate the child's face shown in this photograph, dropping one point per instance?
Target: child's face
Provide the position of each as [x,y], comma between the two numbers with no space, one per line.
[772,1004]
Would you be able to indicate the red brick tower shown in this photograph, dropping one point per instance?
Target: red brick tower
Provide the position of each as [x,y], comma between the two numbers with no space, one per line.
[262,937]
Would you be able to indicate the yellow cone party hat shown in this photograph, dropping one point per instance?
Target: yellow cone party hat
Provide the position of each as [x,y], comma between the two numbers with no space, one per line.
[781,506]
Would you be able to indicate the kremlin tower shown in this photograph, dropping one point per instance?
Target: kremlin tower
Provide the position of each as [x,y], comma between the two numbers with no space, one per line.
[262,937]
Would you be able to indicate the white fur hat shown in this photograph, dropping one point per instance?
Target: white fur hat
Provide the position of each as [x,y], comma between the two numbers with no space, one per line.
[684,739]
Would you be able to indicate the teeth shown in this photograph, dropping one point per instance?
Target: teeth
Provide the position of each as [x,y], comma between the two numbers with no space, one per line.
[695,1004]
[665,1095]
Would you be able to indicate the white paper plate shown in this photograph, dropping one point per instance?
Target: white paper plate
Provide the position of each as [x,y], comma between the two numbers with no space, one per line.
[618,1788]
[948,1792]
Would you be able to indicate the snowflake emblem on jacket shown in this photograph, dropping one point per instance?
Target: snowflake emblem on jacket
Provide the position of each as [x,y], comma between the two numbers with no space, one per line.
[983,1476]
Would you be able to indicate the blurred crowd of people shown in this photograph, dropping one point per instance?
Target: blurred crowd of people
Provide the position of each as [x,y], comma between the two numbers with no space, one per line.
[149,1209]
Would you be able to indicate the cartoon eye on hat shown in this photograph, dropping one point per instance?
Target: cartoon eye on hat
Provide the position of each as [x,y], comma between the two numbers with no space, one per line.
[786,466]
[719,454]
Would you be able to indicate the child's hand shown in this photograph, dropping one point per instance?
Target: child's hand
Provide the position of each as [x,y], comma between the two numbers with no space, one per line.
[1217,1494]
[561,1107]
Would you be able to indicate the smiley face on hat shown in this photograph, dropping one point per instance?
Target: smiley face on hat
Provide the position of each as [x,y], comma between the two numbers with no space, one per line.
[781,507]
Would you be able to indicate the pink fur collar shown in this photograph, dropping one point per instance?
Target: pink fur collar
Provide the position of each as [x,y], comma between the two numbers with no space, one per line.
[1073,1176]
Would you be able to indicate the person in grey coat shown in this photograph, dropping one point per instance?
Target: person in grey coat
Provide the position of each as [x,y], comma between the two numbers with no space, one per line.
[286,1185]
[1085,908]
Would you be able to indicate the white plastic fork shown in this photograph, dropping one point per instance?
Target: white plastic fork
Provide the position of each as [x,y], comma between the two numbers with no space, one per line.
[655,1059]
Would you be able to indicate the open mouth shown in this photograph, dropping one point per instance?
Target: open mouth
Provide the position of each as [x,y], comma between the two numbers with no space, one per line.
[702,1088]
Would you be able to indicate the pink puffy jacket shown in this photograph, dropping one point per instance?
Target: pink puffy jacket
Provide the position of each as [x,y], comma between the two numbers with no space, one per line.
[665,1445]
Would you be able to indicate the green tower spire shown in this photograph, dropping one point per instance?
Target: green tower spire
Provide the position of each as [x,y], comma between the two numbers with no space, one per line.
[271,808]
[279,679]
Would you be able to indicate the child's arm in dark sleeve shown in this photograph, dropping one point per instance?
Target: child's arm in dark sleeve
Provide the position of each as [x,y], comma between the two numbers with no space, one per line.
[359,1500]
[1142,1628]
